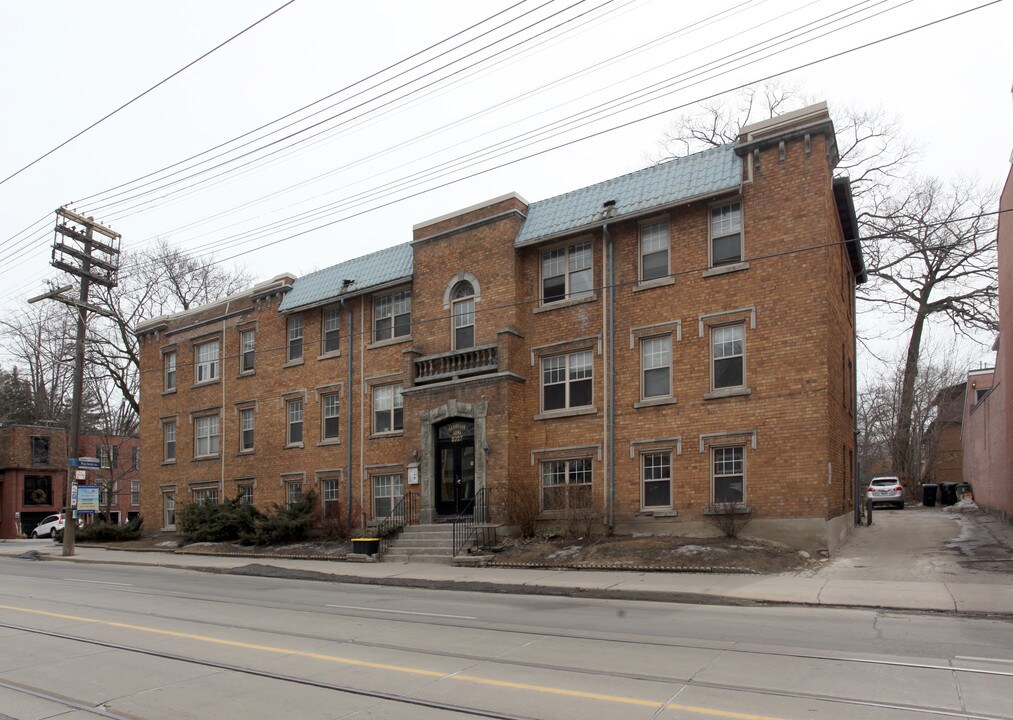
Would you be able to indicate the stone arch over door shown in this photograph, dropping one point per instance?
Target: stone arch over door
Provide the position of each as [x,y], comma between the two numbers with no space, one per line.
[476,412]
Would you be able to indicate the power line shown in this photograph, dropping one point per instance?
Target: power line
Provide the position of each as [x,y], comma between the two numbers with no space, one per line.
[150,89]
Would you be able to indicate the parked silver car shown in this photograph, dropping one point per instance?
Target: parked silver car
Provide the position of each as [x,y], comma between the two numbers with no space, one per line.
[886,489]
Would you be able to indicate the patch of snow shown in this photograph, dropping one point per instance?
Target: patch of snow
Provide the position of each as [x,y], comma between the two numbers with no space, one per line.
[565,553]
[964,506]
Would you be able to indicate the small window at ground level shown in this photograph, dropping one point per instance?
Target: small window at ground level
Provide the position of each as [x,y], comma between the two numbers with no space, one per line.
[566,485]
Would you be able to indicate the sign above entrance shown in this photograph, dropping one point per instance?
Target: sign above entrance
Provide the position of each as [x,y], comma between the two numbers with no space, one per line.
[457,431]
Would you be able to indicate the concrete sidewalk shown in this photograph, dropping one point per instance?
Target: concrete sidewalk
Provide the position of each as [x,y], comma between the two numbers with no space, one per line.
[958,595]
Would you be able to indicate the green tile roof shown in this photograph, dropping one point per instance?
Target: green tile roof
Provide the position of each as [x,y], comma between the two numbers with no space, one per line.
[706,173]
[367,271]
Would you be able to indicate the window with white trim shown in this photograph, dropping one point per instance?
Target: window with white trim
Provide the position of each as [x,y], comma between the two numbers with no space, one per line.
[106,456]
[567,381]
[293,414]
[654,250]
[567,272]
[387,491]
[247,344]
[293,492]
[566,484]
[295,336]
[244,494]
[205,496]
[135,492]
[169,363]
[463,313]
[728,356]
[728,475]
[207,430]
[246,427]
[726,234]
[388,408]
[329,489]
[135,458]
[330,408]
[392,315]
[656,479]
[169,441]
[169,510]
[206,368]
[656,367]
[330,321]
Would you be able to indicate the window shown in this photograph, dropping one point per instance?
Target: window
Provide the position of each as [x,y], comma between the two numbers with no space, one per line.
[293,411]
[566,484]
[387,491]
[295,338]
[247,343]
[979,394]
[38,490]
[567,381]
[330,407]
[106,456]
[726,234]
[656,476]
[246,430]
[206,435]
[135,458]
[169,510]
[392,315]
[388,408]
[205,496]
[169,441]
[135,492]
[293,492]
[463,304]
[329,489]
[331,322]
[654,250]
[169,362]
[105,498]
[728,356]
[40,450]
[656,364]
[729,475]
[244,494]
[207,362]
[566,272]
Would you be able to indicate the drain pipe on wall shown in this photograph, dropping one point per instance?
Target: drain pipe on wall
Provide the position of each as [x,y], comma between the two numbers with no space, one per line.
[348,412]
[607,209]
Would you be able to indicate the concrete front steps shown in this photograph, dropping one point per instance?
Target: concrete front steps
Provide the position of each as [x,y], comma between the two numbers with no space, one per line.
[423,544]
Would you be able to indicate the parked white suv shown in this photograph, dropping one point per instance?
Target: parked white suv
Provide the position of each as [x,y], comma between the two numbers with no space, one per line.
[886,489]
[50,525]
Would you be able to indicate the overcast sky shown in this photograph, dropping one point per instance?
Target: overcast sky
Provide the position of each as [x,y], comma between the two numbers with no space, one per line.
[476,113]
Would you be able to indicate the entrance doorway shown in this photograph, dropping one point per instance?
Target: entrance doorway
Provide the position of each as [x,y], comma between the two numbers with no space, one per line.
[455,466]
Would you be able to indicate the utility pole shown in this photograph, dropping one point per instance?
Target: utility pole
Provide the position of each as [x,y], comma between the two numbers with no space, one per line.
[77,251]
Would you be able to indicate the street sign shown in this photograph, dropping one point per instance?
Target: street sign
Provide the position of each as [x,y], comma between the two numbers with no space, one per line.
[80,475]
[87,499]
[85,462]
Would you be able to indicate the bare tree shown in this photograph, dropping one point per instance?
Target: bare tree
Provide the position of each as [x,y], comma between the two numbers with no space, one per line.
[159,281]
[934,256]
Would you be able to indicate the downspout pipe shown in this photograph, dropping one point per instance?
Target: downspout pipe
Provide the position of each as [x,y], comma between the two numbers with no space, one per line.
[854,404]
[608,209]
[348,411]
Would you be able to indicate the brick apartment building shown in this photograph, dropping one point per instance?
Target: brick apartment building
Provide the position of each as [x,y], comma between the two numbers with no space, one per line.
[649,346]
[33,475]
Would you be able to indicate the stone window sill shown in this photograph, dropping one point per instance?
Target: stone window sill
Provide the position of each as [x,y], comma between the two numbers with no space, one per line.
[390,341]
[393,433]
[203,383]
[569,412]
[728,392]
[569,302]
[168,462]
[290,446]
[332,354]
[294,363]
[169,392]
[653,402]
[658,512]
[240,453]
[651,284]
[204,458]
[725,269]
[246,373]
[332,441]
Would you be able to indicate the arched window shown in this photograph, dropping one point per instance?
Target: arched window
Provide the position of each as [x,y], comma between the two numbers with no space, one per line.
[462,301]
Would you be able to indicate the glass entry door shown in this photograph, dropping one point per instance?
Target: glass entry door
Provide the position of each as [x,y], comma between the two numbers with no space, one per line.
[455,467]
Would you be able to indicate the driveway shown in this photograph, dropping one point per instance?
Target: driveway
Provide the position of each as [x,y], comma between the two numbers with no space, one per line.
[920,544]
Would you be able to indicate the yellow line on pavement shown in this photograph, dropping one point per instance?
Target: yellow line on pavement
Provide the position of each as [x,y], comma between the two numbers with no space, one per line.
[397,668]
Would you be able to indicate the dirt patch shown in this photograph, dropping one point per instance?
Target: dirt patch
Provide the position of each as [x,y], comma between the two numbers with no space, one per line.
[167,542]
[661,552]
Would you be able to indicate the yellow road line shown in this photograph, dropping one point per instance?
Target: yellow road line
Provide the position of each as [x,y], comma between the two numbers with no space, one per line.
[398,668]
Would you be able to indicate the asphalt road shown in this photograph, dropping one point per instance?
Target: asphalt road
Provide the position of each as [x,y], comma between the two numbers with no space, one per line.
[126,642]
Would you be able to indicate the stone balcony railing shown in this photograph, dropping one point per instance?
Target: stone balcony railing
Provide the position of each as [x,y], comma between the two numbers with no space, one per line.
[480,360]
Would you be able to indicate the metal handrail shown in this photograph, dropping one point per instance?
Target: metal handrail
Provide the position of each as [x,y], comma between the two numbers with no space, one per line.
[464,524]
[405,512]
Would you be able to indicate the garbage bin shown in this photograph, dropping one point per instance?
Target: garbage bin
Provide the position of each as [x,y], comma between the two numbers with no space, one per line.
[948,493]
[929,494]
[963,490]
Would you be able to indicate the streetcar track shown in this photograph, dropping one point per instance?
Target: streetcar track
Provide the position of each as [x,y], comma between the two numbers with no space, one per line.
[444,621]
[62,700]
[477,712]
